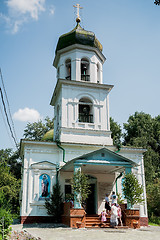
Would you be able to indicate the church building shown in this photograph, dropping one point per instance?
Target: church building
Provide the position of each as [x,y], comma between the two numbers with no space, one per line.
[81,139]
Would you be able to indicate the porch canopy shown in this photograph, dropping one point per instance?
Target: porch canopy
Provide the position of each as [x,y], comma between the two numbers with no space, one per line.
[102,161]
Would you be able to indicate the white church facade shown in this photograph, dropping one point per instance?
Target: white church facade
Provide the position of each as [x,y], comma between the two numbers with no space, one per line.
[82,137]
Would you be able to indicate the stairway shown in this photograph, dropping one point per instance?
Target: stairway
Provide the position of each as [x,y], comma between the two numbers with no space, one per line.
[94,221]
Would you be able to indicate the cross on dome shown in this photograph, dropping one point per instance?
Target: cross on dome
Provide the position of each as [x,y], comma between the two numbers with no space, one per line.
[78,19]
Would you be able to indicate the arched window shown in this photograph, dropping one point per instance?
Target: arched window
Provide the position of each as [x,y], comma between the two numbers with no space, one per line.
[98,73]
[57,72]
[85,110]
[44,186]
[85,76]
[68,69]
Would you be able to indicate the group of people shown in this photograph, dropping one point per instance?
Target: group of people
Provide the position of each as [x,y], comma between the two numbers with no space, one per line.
[114,211]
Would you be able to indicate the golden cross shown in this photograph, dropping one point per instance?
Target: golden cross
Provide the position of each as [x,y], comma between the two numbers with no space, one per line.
[78,7]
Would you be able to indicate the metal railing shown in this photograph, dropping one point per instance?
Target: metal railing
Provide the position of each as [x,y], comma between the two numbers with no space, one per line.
[85,77]
[85,118]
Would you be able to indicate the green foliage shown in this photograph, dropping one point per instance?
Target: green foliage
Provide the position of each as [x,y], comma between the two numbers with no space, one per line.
[9,189]
[81,187]
[142,130]
[157,2]
[5,221]
[120,199]
[12,161]
[153,198]
[36,130]
[154,221]
[132,190]
[116,133]
[54,204]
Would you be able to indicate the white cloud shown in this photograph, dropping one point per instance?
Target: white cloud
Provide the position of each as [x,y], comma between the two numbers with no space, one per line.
[27,115]
[21,11]
[51,10]
[22,7]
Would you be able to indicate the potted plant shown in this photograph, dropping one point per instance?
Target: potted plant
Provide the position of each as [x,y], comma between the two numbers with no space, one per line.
[132,191]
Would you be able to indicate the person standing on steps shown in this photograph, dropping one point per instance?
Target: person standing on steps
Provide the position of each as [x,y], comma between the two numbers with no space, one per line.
[114,198]
[114,216]
[107,206]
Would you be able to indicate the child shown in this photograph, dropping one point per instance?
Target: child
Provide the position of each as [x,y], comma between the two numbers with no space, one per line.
[103,216]
[119,214]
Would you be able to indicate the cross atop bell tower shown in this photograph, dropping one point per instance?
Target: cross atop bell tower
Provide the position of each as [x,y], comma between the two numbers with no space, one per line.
[78,19]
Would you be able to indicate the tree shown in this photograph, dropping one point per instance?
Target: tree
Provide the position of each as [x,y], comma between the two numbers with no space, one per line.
[81,187]
[12,160]
[142,130]
[9,190]
[116,132]
[157,2]
[54,204]
[132,190]
[36,130]
[153,198]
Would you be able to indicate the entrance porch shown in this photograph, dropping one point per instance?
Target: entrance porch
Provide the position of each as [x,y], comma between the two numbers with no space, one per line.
[105,170]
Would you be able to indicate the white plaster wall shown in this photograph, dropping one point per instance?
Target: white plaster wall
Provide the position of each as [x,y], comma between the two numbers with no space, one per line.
[42,158]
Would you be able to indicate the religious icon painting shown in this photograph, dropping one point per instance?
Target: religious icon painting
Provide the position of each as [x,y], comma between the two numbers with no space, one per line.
[44,186]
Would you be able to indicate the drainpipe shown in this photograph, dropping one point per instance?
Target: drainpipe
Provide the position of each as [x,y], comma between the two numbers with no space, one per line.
[57,172]
[59,145]
[119,149]
[120,175]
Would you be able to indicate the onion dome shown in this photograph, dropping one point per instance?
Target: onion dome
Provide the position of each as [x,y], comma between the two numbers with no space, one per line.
[48,136]
[78,36]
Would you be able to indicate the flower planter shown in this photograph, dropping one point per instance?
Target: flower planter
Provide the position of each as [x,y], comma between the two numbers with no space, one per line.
[132,218]
[73,217]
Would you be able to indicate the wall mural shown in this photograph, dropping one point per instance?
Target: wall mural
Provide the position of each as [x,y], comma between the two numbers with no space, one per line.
[44,186]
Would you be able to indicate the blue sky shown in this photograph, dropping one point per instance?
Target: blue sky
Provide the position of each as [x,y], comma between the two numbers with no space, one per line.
[29,30]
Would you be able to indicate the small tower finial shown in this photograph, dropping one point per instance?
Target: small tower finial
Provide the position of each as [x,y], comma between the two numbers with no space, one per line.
[78,19]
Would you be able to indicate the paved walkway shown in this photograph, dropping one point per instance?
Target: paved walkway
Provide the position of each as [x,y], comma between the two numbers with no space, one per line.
[54,232]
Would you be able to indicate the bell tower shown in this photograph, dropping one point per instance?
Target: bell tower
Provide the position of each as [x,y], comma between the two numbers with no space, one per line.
[80,99]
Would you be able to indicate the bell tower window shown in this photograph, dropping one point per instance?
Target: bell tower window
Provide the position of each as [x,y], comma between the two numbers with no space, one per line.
[85,76]
[68,69]
[85,110]
[98,74]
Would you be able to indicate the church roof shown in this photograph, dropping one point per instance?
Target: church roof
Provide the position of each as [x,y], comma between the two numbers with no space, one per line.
[78,36]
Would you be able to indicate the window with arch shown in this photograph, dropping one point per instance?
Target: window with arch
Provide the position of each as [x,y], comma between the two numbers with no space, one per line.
[44,186]
[58,72]
[68,69]
[85,110]
[98,73]
[85,76]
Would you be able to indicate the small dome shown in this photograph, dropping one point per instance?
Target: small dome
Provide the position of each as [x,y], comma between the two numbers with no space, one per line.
[78,36]
[48,136]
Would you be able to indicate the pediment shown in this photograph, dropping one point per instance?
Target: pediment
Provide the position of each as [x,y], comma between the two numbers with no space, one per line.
[44,165]
[100,160]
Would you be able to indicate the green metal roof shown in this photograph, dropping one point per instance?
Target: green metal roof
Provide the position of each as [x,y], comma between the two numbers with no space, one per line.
[78,36]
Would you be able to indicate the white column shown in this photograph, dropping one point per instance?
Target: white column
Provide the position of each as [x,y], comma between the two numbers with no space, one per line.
[36,185]
[77,203]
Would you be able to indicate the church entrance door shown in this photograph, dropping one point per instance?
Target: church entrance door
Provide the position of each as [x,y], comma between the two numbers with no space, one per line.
[91,201]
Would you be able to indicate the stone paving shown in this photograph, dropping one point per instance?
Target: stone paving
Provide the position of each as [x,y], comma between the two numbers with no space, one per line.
[59,232]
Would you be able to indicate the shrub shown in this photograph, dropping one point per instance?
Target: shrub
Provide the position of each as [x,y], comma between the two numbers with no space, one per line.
[54,204]
[5,221]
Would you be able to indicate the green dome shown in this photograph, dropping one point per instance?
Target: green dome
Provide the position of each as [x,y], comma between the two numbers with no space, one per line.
[78,36]
[48,136]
